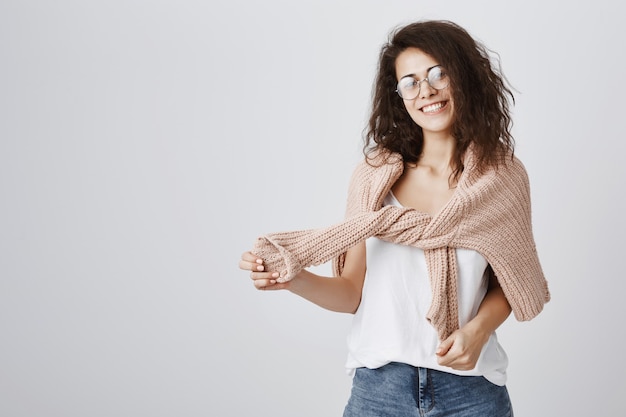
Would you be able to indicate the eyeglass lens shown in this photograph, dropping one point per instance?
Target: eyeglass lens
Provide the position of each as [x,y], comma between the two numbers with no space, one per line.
[409,87]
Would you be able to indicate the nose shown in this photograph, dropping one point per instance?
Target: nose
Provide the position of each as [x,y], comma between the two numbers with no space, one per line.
[426,90]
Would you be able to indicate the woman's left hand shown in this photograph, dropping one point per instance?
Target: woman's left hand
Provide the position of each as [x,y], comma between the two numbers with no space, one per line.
[461,349]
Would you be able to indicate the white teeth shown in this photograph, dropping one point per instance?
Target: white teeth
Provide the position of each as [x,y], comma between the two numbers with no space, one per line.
[432,108]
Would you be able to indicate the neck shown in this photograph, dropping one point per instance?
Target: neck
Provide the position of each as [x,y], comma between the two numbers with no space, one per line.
[437,152]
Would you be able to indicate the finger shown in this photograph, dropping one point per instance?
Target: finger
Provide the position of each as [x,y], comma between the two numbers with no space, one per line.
[251,266]
[444,360]
[445,346]
[447,355]
[264,275]
[251,257]
[251,262]
[270,285]
[449,359]
[460,364]
[457,360]
[263,283]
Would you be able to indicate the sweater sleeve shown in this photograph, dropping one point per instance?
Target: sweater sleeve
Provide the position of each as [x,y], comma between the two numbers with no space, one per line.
[522,281]
[352,208]
[290,252]
[370,182]
[279,250]
[511,251]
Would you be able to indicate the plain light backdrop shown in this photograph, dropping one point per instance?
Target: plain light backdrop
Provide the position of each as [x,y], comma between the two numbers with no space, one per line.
[144,145]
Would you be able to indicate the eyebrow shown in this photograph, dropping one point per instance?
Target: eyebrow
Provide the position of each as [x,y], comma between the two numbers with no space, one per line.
[415,75]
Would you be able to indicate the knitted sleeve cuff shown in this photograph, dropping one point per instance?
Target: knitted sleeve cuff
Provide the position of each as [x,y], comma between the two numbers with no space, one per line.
[276,258]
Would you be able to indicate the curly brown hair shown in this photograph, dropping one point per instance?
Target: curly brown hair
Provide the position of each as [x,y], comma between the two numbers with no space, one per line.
[479,90]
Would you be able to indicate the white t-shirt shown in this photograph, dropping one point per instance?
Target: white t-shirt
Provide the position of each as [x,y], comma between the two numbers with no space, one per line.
[390,324]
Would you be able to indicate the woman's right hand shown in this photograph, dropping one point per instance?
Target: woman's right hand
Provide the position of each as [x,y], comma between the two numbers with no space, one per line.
[262,279]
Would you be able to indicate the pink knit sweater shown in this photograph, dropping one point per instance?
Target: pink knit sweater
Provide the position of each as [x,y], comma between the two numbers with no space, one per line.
[489,213]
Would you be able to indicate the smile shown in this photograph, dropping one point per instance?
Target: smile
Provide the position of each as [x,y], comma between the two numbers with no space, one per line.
[434,108]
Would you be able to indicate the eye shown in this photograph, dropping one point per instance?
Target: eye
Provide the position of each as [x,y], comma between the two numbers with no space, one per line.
[408,83]
[436,74]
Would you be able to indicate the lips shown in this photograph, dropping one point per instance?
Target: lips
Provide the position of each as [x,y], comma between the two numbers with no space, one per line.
[434,108]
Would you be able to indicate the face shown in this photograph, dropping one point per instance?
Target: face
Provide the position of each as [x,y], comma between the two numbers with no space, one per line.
[431,109]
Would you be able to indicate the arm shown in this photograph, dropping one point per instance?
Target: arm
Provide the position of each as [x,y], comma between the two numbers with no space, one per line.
[341,294]
[462,348]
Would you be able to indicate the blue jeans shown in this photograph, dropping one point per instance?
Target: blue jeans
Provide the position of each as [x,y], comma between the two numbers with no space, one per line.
[401,390]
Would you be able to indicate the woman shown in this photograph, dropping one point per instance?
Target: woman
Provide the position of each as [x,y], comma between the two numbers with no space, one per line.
[437,248]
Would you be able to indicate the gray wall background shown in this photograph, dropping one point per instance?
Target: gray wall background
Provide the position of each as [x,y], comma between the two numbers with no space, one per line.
[145,144]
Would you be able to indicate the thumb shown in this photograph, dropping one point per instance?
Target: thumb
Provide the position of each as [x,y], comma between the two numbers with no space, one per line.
[445,346]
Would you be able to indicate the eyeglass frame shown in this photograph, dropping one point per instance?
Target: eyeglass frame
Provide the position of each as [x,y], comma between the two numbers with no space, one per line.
[419,82]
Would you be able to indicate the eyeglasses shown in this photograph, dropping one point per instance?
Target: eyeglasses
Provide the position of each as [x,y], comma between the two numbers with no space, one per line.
[409,87]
